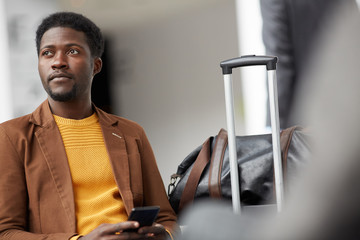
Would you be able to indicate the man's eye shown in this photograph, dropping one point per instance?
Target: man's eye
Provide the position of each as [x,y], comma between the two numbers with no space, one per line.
[73,51]
[46,53]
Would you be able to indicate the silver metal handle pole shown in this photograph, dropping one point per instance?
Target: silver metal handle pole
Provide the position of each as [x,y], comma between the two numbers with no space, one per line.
[275,127]
[230,119]
[227,66]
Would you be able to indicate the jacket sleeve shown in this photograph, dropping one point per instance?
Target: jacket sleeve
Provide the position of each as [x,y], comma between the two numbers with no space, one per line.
[13,195]
[154,191]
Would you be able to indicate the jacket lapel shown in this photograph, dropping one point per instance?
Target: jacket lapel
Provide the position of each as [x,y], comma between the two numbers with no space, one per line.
[116,147]
[52,146]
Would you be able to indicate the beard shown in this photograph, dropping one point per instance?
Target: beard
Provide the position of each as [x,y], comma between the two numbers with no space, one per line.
[63,97]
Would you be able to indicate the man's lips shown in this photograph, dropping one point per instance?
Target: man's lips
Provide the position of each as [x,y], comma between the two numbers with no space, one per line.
[59,75]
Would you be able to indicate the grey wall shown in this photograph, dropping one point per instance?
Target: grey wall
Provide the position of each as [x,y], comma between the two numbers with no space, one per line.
[172,83]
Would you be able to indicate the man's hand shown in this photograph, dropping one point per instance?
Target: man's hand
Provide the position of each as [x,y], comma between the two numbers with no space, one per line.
[156,231]
[118,231]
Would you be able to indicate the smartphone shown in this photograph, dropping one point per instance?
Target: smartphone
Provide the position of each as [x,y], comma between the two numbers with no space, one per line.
[144,215]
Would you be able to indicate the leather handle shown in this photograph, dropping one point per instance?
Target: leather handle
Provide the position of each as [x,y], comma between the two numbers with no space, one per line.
[201,161]
[285,140]
[216,163]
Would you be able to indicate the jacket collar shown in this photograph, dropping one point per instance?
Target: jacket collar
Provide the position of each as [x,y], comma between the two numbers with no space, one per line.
[42,116]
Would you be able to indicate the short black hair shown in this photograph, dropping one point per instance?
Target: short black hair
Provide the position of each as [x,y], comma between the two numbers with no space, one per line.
[77,22]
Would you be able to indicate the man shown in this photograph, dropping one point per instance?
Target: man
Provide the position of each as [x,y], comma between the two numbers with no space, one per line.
[69,170]
[291,29]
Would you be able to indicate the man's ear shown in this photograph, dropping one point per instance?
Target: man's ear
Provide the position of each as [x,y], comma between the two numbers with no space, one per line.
[97,65]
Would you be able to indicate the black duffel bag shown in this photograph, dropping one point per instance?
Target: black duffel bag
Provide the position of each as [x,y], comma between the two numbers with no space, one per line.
[205,172]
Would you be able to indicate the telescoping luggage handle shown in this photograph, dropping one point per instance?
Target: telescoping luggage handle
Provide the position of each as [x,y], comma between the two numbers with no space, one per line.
[227,66]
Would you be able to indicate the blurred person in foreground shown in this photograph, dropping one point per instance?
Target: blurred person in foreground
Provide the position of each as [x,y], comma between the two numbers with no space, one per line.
[69,170]
[324,202]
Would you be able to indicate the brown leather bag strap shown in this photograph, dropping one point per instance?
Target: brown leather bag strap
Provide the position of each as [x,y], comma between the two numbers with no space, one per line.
[216,163]
[191,185]
[285,140]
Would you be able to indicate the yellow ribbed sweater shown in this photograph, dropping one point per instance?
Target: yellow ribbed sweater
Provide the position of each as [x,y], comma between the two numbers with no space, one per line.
[97,199]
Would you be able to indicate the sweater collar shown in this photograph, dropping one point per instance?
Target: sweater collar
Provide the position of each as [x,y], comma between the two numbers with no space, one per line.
[42,116]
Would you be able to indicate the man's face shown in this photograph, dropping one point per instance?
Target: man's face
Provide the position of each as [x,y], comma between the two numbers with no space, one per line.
[65,64]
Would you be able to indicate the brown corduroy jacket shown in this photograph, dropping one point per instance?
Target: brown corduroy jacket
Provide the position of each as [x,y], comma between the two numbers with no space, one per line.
[36,194]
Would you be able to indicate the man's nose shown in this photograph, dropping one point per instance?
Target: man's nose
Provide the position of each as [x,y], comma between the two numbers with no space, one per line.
[60,61]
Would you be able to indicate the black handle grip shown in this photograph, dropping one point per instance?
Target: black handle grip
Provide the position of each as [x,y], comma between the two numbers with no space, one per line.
[248,60]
